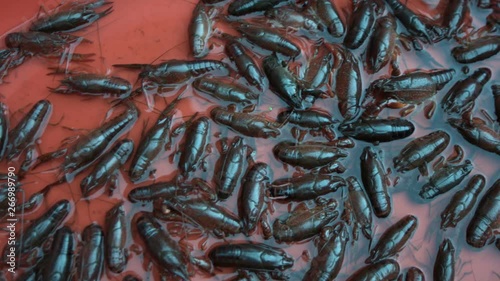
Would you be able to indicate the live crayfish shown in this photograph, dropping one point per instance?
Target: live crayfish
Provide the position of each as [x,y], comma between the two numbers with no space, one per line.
[378,130]
[462,202]
[36,43]
[45,225]
[328,13]
[393,239]
[476,132]
[316,120]
[291,18]
[477,50]
[90,265]
[155,140]
[253,196]
[319,66]
[382,47]
[357,209]
[195,144]
[243,7]
[22,138]
[175,71]
[116,253]
[412,274]
[255,257]
[444,266]
[105,170]
[94,84]
[304,222]
[455,17]
[383,270]
[486,219]
[230,166]
[200,29]
[154,191]
[60,262]
[416,25]
[245,123]
[242,58]
[309,155]
[420,151]
[410,88]
[445,179]
[348,84]
[226,90]
[168,189]
[74,18]
[287,86]
[461,97]
[92,146]
[162,248]
[268,39]
[309,186]
[331,250]
[176,200]
[362,21]
[375,182]
[208,215]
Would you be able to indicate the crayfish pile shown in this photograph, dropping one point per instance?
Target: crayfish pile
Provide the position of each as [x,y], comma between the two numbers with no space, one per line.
[279,140]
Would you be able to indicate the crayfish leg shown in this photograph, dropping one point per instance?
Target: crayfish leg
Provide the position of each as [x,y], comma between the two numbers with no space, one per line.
[423,170]
[32,203]
[249,108]
[49,156]
[329,134]
[430,109]
[267,231]
[407,110]
[298,134]
[439,163]
[367,232]
[394,62]
[405,41]
[205,187]
[29,161]
[457,156]
[112,185]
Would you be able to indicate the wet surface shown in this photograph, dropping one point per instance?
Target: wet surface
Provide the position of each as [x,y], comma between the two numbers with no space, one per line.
[156,30]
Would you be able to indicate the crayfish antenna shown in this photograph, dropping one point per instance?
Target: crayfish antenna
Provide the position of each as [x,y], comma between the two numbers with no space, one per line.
[139,66]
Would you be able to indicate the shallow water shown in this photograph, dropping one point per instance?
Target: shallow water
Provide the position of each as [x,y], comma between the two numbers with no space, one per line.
[154,30]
